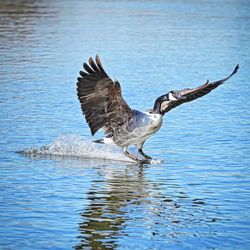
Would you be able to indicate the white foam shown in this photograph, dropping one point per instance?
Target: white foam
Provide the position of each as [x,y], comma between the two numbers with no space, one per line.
[73,145]
[156,161]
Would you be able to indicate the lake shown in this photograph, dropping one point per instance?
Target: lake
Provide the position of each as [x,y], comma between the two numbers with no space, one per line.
[63,191]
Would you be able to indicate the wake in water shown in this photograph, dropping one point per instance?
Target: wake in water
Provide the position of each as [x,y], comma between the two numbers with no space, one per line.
[72,145]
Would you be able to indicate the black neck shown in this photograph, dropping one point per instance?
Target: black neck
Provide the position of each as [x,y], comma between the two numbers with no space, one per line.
[157,105]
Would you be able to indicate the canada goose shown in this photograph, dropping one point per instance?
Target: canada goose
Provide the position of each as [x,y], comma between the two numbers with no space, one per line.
[104,107]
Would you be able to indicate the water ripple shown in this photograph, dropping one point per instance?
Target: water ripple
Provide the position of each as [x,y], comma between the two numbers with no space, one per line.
[67,192]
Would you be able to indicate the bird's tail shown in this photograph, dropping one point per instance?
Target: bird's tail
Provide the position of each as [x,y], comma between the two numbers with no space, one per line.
[99,141]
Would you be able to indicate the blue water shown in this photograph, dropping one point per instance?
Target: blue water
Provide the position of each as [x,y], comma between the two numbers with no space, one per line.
[59,195]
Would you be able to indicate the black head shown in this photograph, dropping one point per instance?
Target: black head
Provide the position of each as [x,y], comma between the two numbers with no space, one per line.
[162,102]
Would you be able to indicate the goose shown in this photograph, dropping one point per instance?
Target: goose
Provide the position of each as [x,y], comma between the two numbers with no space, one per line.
[104,107]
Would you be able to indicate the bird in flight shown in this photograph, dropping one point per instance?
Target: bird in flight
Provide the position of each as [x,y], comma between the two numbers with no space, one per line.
[104,108]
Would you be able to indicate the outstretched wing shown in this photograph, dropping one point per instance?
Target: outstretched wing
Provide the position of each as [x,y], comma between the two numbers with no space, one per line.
[101,98]
[187,95]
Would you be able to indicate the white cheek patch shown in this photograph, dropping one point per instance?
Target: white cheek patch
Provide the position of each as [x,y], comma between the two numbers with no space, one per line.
[164,105]
[171,97]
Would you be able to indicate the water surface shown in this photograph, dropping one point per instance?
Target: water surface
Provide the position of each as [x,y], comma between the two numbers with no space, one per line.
[64,197]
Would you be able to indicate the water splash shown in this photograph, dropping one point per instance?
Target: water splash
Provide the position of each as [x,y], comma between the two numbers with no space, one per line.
[77,146]
[73,145]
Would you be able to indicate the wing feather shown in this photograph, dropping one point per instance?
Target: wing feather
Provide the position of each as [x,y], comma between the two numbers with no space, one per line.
[187,95]
[92,64]
[101,98]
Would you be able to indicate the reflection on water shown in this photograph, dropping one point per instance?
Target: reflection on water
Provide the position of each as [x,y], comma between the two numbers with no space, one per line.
[105,216]
[124,203]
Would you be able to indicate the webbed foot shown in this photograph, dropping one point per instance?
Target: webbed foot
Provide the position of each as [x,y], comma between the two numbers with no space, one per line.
[144,161]
[133,157]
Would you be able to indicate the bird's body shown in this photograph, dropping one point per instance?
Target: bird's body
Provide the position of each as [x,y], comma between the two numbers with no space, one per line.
[137,129]
[104,107]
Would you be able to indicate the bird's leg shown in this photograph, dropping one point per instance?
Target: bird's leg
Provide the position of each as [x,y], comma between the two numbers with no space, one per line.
[133,157]
[144,155]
